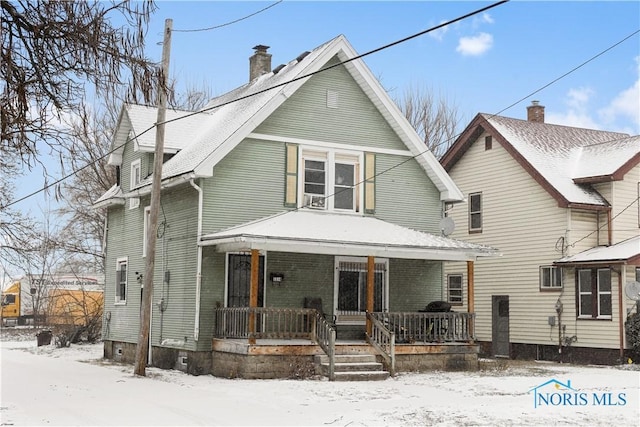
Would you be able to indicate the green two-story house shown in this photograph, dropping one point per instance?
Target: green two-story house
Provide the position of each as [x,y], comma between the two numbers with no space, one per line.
[300,201]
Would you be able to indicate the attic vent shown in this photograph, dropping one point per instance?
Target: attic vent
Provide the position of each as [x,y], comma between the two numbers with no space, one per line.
[302,56]
[332,99]
[278,68]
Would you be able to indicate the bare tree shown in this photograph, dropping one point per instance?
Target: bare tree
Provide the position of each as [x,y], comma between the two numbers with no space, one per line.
[51,50]
[435,119]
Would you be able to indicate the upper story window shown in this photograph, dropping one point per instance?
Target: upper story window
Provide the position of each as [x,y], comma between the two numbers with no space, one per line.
[550,278]
[121,280]
[594,293]
[488,142]
[136,174]
[475,212]
[330,180]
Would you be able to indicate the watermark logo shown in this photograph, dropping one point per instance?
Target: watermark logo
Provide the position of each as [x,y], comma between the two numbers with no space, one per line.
[557,393]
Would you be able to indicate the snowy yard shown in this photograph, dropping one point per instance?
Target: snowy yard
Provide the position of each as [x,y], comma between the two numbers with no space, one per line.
[74,386]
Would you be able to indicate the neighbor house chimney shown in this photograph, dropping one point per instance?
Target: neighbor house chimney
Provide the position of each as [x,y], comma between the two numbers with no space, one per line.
[259,62]
[535,112]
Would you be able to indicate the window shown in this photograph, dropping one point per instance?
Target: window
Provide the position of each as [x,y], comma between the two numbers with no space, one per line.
[136,174]
[145,230]
[594,293]
[454,288]
[550,278]
[488,142]
[331,181]
[352,286]
[121,280]
[475,212]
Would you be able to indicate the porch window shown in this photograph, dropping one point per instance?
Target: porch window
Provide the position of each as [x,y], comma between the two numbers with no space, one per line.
[121,281]
[550,278]
[594,293]
[454,288]
[352,287]
[475,213]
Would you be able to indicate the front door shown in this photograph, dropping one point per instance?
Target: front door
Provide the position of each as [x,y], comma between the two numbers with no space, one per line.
[239,280]
[500,325]
[351,289]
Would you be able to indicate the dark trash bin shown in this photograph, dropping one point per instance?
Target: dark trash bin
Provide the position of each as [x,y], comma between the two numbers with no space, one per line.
[437,307]
[44,338]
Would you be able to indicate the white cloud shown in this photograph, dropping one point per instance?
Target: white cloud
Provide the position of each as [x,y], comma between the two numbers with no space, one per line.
[476,45]
[625,105]
[485,18]
[577,114]
[440,32]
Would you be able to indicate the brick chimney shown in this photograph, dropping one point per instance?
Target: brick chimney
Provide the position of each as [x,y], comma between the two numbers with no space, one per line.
[535,112]
[259,62]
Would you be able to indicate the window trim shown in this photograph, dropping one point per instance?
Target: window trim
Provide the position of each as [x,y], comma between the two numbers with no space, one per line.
[119,298]
[449,289]
[331,157]
[556,273]
[136,165]
[471,213]
[595,295]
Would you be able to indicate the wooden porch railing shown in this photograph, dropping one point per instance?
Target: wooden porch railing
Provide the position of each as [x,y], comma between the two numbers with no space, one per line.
[429,327]
[384,341]
[277,323]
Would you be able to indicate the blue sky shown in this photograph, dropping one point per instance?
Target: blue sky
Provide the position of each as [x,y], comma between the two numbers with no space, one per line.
[482,64]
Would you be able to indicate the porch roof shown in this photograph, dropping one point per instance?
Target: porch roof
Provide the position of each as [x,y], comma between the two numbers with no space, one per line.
[625,252]
[312,232]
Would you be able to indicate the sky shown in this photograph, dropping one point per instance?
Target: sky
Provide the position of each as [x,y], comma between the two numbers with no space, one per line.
[494,62]
[75,387]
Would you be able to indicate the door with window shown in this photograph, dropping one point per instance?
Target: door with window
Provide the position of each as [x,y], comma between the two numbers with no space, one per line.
[239,280]
[351,289]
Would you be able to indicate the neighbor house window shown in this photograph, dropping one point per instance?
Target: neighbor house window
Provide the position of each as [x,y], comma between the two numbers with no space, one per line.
[330,180]
[454,288]
[121,280]
[136,174]
[475,212]
[594,293]
[550,278]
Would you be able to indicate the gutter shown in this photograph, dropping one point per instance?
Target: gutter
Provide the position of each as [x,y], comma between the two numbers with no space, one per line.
[196,327]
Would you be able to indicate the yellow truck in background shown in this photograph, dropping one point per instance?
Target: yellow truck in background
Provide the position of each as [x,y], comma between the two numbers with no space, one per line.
[52,300]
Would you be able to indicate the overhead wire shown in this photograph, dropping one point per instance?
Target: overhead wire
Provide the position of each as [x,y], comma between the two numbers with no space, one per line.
[116,148]
[235,21]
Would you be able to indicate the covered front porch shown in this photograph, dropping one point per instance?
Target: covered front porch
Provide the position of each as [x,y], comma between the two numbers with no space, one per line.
[371,277]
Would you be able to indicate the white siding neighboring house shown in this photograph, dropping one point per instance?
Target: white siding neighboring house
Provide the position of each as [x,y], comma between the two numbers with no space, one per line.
[561,205]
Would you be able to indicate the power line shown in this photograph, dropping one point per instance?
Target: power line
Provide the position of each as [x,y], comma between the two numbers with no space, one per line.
[58,181]
[229,23]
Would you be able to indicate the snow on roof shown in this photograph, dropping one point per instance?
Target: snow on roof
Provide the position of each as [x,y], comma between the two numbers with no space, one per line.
[622,251]
[617,153]
[321,232]
[179,132]
[114,195]
[558,153]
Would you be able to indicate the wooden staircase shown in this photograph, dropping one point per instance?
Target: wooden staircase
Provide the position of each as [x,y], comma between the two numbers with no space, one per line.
[352,367]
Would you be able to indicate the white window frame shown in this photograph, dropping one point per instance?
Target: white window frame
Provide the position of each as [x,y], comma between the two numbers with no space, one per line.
[478,212]
[119,298]
[458,300]
[550,275]
[145,231]
[136,174]
[594,292]
[331,157]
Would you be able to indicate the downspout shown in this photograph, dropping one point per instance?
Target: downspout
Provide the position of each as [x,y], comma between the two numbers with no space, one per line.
[196,327]
[620,313]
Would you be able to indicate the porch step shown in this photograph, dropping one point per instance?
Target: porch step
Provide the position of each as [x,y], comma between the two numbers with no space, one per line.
[352,367]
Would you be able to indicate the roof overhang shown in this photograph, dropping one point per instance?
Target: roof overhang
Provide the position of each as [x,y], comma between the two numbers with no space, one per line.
[625,252]
[323,233]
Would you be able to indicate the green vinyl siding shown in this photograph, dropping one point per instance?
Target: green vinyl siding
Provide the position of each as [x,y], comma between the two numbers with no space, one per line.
[405,195]
[413,284]
[356,121]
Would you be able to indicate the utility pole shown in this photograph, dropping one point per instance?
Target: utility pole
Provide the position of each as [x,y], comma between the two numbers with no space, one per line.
[142,349]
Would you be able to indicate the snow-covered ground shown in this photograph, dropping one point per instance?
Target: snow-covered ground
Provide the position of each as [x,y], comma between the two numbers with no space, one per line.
[74,386]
